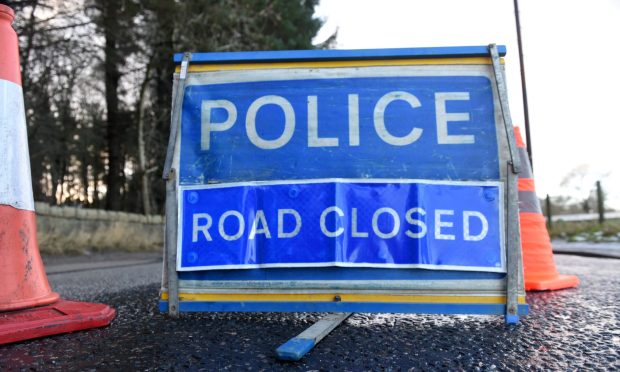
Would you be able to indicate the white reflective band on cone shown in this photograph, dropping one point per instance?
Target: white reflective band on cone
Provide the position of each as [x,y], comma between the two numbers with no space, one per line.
[15,182]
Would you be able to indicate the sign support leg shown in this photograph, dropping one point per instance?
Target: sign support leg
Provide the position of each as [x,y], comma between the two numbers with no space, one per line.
[171,244]
[513,242]
[295,348]
[171,193]
[513,250]
[177,107]
[503,103]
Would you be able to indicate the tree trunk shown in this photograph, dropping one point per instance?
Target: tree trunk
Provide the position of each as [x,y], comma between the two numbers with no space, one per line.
[146,187]
[25,57]
[112,77]
[163,71]
[96,203]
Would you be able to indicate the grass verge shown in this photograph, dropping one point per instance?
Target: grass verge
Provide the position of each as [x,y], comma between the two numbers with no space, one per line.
[590,231]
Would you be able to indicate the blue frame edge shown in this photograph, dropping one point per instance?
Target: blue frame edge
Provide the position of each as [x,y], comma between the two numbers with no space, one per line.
[357,307]
[340,54]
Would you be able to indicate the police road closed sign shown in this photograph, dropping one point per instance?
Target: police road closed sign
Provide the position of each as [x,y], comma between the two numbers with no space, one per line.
[368,180]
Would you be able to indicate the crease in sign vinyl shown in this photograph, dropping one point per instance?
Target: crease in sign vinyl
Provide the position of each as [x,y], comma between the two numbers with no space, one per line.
[347,223]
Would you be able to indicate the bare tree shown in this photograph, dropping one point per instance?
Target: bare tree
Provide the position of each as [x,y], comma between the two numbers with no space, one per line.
[98,85]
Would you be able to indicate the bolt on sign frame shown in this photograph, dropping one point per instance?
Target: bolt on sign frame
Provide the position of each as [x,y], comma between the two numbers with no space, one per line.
[343,181]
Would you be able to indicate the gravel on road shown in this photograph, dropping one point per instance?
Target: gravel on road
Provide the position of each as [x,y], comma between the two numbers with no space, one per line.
[574,329]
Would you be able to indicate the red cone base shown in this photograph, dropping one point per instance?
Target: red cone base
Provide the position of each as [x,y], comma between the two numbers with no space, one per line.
[59,317]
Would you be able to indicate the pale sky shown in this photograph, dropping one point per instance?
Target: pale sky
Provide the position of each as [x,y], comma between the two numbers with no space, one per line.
[572,63]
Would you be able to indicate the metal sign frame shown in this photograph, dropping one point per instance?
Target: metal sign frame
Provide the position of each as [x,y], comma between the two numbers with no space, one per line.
[414,290]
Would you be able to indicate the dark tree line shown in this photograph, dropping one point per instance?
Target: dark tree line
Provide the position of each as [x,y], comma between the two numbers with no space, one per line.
[97,77]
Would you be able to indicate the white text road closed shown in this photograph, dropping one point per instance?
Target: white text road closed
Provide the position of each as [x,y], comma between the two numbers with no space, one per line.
[442,224]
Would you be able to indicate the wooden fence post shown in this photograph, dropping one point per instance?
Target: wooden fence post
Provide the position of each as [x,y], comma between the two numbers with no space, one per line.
[600,200]
[549,214]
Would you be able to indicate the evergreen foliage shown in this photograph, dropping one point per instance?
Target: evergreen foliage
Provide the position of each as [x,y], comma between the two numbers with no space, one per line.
[97,78]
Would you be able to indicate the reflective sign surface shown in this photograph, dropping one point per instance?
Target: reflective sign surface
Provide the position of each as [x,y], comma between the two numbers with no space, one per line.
[390,224]
[293,125]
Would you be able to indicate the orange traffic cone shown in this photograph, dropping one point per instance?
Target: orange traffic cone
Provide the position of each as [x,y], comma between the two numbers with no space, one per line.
[24,289]
[539,267]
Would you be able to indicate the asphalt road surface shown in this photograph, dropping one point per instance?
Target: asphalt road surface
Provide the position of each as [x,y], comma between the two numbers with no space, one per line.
[575,329]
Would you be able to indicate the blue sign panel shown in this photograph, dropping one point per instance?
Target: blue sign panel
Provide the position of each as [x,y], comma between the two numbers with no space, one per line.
[404,127]
[351,223]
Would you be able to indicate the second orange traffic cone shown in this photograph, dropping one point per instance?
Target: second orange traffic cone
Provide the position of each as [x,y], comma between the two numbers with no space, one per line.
[539,267]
